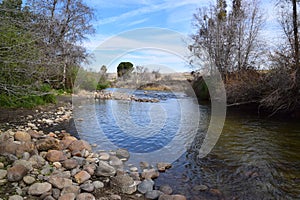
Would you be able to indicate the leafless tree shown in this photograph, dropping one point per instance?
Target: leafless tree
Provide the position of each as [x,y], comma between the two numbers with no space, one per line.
[229,40]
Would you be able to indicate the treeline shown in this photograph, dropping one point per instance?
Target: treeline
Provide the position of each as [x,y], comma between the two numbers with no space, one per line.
[40,48]
[228,38]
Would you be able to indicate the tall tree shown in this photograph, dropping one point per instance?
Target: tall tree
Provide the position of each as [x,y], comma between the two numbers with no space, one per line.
[228,39]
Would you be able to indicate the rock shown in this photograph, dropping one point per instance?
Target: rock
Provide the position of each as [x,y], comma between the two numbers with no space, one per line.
[82,176]
[39,188]
[3,174]
[154,194]
[34,134]
[37,161]
[22,136]
[16,173]
[48,144]
[104,169]
[67,141]
[90,169]
[49,198]
[85,196]
[115,162]
[26,156]
[28,180]
[70,164]
[81,161]
[57,165]
[178,197]
[200,187]
[163,166]
[15,197]
[25,163]
[3,182]
[134,169]
[114,197]
[135,176]
[59,182]
[55,193]
[55,156]
[1,165]
[215,192]
[68,196]
[166,189]
[150,174]
[87,187]
[145,186]
[71,189]
[79,145]
[144,165]
[165,197]
[98,184]
[123,183]
[104,156]
[122,154]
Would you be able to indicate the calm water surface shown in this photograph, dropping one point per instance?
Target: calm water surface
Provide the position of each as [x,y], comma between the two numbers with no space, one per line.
[253,159]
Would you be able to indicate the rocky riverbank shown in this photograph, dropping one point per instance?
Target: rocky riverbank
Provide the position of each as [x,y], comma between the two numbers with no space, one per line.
[40,164]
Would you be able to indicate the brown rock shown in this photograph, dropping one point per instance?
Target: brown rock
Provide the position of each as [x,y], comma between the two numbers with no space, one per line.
[16,173]
[82,176]
[67,140]
[48,144]
[79,145]
[35,134]
[90,169]
[215,192]
[39,188]
[165,197]
[71,189]
[163,166]
[150,174]
[22,136]
[166,189]
[55,156]
[59,182]
[70,164]
[178,197]
[68,196]
[85,196]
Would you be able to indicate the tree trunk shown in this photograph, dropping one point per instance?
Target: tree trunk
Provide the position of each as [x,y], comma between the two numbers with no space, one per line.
[295,27]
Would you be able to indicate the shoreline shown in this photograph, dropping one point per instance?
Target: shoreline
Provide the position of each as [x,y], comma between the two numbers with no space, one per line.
[36,152]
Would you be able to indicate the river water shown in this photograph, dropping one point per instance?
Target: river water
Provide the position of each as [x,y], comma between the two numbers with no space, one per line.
[253,159]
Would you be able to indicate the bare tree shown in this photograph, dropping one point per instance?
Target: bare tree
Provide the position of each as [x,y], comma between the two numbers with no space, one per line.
[229,40]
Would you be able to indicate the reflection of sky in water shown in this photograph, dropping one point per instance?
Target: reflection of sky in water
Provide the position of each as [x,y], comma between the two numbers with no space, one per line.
[139,127]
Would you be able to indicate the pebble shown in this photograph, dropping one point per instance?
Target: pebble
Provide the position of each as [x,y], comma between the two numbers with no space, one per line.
[145,186]
[15,197]
[154,194]
[39,188]
[3,174]
[28,180]
[166,189]
[68,196]
[98,184]
[88,187]
[82,176]
[16,173]
[85,196]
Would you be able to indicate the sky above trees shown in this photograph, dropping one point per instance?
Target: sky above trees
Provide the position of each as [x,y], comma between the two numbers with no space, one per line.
[115,17]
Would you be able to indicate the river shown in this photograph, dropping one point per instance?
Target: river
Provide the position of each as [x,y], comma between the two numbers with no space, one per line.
[254,158]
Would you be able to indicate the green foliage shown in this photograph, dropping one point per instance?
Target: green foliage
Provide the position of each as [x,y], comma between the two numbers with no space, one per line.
[102,86]
[201,89]
[124,68]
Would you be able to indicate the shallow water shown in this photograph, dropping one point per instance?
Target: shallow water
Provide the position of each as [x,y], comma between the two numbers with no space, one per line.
[253,159]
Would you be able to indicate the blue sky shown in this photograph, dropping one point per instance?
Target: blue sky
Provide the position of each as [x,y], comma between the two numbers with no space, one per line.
[117,39]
